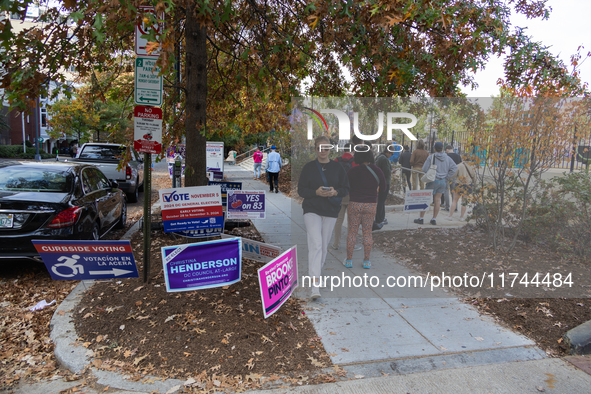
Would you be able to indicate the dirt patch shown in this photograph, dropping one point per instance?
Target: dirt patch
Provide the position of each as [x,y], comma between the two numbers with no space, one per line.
[544,314]
[210,335]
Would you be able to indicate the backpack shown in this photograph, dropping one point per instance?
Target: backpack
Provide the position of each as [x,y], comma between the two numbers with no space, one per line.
[346,163]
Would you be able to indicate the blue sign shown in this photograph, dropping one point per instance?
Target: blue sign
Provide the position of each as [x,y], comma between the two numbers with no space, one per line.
[225,186]
[78,260]
[246,204]
[208,232]
[202,265]
[416,207]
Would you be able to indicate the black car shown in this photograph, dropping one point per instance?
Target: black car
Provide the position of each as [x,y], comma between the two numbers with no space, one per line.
[57,201]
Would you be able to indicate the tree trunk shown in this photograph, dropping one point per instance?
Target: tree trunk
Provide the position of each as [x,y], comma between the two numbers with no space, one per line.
[196,99]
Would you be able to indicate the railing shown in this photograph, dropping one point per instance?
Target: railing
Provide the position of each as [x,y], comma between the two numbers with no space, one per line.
[248,154]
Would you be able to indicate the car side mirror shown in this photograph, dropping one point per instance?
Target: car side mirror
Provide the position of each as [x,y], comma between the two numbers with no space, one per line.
[114,184]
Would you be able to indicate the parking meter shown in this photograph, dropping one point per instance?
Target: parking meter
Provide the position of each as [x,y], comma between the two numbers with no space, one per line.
[177,172]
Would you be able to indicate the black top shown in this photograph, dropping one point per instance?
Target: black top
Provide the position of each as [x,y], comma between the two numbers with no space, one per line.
[311,180]
[455,157]
[404,159]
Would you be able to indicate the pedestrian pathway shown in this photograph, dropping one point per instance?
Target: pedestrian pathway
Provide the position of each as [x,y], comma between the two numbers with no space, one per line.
[372,331]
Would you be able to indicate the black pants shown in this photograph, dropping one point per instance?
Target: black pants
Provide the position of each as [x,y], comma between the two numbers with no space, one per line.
[381,207]
[406,174]
[273,176]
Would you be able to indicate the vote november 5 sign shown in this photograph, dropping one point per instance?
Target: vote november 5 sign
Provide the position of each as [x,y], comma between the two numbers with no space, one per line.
[277,280]
[191,208]
[202,265]
[77,260]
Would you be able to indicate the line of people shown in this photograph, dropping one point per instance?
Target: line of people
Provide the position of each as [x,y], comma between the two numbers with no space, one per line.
[357,185]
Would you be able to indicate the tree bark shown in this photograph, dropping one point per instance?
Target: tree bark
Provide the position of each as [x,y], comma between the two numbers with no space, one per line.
[196,99]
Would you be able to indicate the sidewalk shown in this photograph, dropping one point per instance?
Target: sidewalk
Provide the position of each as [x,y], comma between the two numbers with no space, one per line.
[429,340]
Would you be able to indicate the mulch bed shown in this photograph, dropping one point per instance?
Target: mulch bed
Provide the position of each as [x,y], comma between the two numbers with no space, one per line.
[544,314]
[218,337]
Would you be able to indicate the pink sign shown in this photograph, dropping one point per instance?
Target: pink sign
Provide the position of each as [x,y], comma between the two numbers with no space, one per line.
[277,280]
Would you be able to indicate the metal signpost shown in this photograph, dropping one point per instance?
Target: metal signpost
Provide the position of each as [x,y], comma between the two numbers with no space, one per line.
[147,119]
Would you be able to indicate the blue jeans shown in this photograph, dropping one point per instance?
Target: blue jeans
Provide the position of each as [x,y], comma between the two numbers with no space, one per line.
[257,170]
[438,186]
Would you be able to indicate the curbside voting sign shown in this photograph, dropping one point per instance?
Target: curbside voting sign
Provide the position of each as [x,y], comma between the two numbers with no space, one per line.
[277,280]
[79,260]
[191,208]
[417,200]
[244,204]
[202,265]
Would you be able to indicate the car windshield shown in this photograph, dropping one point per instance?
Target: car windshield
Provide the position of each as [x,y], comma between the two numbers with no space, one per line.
[103,152]
[21,178]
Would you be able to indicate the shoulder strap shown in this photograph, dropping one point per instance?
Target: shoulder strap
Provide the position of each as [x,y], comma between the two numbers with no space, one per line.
[321,173]
[373,173]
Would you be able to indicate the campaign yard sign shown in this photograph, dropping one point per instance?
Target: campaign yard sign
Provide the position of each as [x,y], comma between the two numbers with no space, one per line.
[225,186]
[191,208]
[202,265]
[203,233]
[258,251]
[417,200]
[79,260]
[277,280]
[244,204]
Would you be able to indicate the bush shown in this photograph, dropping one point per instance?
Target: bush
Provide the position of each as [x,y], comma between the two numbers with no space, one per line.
[29,144]
[560,216]
[16,152]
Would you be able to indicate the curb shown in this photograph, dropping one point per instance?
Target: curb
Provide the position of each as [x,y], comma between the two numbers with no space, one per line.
[578,339]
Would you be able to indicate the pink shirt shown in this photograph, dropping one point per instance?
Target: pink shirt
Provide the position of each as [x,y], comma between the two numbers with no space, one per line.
[258,157]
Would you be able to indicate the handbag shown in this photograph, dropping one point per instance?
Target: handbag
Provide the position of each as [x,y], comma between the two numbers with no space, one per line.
[431,173]
[336,201]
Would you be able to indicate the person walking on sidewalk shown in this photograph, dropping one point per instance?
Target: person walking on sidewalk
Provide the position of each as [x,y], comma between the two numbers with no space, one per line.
[258,162]
[322,184]
[364,181]
[446,168]
[383,163]
[273,167]
[405,163]
[417,160]
[347,161]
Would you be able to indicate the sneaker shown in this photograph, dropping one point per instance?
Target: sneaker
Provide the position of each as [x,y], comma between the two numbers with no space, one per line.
[446,209]
[419,221]
[333,247]
[433,222]
[462,220]
[377,226]
[315,293]
[449,218]
[276,190]
[385,221]
[348,264]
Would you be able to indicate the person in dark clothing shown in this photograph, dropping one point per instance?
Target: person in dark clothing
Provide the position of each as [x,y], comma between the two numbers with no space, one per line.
[404,161]
[320,180]
[454,156]
[383,163]
[365,180]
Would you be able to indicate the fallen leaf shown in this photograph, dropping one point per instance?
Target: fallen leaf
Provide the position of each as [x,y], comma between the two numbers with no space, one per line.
[479,339]
[139,359]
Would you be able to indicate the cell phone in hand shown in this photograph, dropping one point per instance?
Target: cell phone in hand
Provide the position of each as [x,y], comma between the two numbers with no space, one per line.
[325,188]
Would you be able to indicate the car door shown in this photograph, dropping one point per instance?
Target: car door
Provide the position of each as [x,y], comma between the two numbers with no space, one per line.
[112,204]
[94,190]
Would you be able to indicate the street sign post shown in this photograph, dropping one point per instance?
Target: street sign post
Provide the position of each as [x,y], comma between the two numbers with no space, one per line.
[147,129]
[148,84]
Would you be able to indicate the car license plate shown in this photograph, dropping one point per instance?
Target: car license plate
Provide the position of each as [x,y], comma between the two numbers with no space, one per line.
[6,220]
